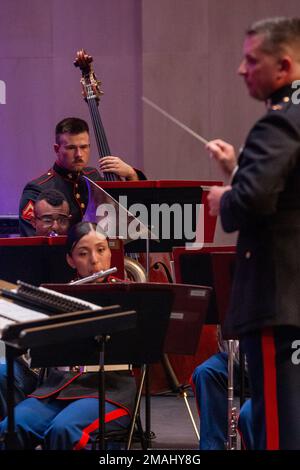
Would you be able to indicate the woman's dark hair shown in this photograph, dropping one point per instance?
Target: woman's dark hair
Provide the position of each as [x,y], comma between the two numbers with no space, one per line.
[78,231]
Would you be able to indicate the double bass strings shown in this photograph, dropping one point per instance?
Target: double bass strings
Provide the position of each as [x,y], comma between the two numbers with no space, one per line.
[176,121]
[97,128]
[102,143]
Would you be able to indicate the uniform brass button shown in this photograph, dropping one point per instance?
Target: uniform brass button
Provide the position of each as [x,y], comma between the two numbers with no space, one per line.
[248,254]
[82,205]
[277,107]
[286,99]
[77,195]
[49,173]
[76,185]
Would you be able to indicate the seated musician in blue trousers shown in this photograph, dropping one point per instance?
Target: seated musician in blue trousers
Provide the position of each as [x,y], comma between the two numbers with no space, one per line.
[210,382]
[62,413]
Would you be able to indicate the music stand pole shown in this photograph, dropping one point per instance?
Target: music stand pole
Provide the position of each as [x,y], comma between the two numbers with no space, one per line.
[177,388]
[148,431]
[101,340]
[137,409]
[148,259]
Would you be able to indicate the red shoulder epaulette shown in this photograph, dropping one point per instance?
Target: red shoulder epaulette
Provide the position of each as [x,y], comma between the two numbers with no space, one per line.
[44,178]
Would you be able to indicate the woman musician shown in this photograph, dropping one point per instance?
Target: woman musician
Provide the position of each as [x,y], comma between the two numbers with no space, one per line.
[62,413]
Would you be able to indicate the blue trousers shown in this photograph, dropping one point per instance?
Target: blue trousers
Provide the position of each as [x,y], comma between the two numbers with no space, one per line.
[25,383]
[61,424]
[210,385]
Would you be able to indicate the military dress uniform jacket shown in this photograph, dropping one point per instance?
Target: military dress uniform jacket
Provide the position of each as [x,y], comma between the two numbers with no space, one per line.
[120,387]
[264,205]
[71,184]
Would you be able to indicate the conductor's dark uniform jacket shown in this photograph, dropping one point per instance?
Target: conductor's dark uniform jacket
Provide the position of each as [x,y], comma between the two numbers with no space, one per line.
[264,205]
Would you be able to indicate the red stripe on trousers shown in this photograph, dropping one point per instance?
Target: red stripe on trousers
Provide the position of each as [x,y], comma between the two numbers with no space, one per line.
[115,414]
[270,390]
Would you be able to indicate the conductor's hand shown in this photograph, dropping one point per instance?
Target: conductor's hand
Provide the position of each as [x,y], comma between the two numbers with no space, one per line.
[224,153]
[214,198]
[116,165]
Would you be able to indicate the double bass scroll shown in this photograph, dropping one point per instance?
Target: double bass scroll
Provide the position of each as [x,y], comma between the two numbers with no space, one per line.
[92,94]
[160,269]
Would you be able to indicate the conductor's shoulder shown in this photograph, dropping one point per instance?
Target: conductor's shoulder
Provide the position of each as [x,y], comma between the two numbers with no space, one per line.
[286,111]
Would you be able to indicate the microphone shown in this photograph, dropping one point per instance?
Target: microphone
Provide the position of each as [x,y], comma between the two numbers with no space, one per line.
[94,276]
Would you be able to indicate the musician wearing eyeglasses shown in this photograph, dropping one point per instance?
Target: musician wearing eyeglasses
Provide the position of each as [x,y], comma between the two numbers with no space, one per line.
[51,214]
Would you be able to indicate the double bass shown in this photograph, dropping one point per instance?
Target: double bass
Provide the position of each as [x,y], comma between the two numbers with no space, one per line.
[159,264]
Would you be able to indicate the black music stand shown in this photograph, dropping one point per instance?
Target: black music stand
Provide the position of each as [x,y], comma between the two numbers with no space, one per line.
[96,326]
[188,315]
[153,303]
[141,345]
[153,236]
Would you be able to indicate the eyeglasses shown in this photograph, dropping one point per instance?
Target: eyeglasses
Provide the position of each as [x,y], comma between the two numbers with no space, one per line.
[48,220]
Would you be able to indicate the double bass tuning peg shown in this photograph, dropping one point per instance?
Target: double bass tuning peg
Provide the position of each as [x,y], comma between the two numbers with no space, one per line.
[83,60]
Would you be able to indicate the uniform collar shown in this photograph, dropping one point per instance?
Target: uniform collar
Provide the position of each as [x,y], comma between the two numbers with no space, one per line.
[282,95]
[67,174]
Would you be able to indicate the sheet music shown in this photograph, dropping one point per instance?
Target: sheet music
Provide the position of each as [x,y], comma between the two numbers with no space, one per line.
[12,313]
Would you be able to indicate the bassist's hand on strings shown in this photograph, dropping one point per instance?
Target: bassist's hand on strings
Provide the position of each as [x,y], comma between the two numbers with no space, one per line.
[116,165]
